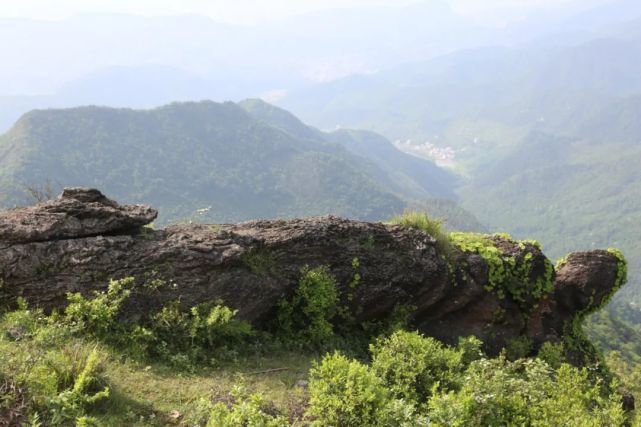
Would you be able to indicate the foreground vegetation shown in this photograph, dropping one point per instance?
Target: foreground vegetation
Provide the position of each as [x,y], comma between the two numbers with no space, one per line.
[200,366]
[55,373]
[94,364]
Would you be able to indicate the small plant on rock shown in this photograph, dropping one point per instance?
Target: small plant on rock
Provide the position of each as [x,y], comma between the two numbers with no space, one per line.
[421,221]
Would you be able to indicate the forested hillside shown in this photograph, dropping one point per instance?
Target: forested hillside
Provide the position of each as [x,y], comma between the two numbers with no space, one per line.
[219,162]
[405,174]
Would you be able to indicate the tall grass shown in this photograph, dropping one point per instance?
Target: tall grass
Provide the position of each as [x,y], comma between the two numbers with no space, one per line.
[431,226]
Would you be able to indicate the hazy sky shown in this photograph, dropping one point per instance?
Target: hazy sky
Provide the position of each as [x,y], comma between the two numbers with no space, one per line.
[236,11]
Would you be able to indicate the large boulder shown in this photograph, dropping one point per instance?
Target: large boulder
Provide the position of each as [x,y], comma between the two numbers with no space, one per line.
[80,240]
[584,280]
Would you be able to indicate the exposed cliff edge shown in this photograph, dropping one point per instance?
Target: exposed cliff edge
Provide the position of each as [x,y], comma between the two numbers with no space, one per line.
[492,287]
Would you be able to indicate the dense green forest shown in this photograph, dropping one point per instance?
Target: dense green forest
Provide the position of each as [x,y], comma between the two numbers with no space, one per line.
[219,163]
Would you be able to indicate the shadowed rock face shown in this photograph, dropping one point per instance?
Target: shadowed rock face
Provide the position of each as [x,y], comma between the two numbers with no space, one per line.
[80,240]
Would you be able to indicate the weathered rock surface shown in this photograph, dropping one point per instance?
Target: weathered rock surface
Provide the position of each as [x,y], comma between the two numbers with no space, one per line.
[581,282]
[80,240]
[78,212]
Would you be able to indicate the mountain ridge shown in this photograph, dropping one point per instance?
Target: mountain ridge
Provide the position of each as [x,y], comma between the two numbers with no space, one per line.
[209,161]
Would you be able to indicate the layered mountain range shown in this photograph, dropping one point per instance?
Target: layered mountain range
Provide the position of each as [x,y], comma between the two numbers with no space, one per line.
[221,162]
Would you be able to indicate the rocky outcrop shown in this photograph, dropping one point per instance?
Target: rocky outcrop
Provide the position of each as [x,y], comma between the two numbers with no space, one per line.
[80,240]
[585,280]
[78,212]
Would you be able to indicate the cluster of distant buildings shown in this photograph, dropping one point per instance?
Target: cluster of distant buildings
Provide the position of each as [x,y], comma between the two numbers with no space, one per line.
[441,155]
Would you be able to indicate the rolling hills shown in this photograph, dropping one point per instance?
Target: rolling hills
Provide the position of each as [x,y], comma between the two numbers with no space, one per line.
[220,162]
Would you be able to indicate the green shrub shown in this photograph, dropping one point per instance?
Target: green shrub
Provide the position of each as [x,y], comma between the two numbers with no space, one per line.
[452,409]
[259,261]
[400,413]
[22,322]
[180,336]
[308,315]
[71,404]
[518,348]
[421,221]
[187,336]
[345,392]
[574,399]
[247,410]
[470,348]
[411,365]
[64,383]
[525,392]
[98,315]
[398,320]
[552,354]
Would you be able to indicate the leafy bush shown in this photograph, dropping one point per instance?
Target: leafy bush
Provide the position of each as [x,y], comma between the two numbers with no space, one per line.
[259,261]
[552,354]
[574,399]
[399,413]
[406,370]
[411,365]
[314,304]
[64,382]
[22,322]
[421,221]
[470,348]
[97,315]
[247,410]
[71,404]
[526,392]
[181,336]
[518,348]
[185,336]
[345,392]
[412,381]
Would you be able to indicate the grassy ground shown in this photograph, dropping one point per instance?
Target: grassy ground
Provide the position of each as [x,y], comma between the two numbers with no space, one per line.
[49,359]
[156,394]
